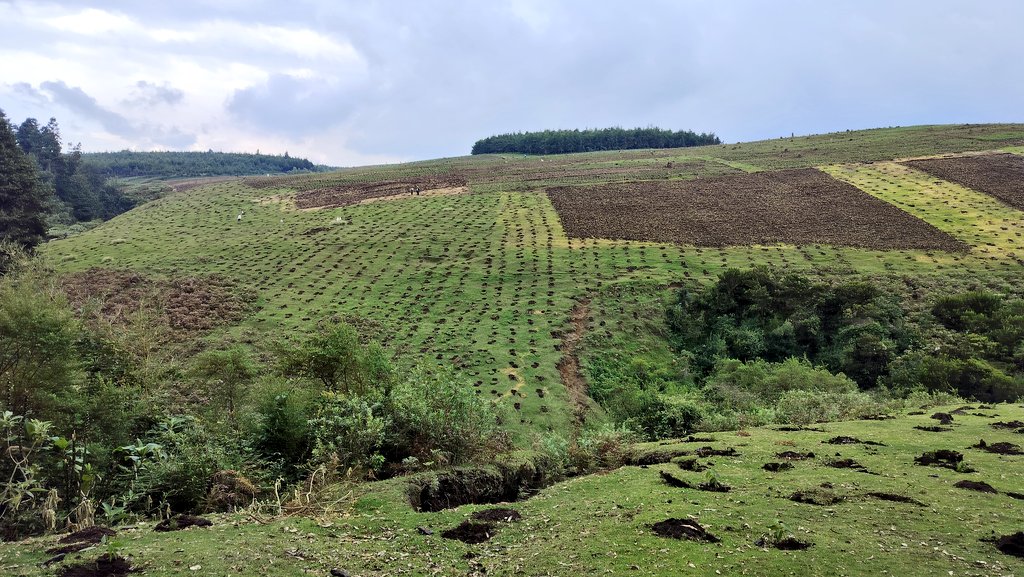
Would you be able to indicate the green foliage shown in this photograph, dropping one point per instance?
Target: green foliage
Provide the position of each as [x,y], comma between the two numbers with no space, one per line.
[348,432]
[22,198]
[968,378]
[228,374]
[563,141]
[753,314]
[279,430]
[337,359]
[744,386]
[804,407]
[181,164]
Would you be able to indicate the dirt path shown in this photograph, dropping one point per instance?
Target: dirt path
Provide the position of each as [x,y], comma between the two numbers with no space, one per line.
[569,366]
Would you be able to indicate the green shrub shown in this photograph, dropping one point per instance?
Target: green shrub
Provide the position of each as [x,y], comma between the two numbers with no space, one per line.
[348,432]
[802,407]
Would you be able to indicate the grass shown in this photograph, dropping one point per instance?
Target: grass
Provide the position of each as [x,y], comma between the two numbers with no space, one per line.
[485,281]
[600,524]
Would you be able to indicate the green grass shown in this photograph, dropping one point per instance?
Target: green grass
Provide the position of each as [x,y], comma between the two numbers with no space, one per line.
[600,524]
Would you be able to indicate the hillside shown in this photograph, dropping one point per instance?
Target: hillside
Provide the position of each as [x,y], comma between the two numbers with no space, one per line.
[570,328]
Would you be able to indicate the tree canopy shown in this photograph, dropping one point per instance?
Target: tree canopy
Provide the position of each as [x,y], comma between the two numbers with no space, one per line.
[22,199]
[565,141]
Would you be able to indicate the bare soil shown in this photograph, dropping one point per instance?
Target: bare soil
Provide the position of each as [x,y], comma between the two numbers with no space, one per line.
[794,456]
[692,465]
[179,522]
[822,497]
[777,467]
[842,440]
[942,458]
[933,428]
[1011,544]
[1001,448]
[803,206]
[998,175]
[497,515]
[943,418]
[569,365]
[356,193]
[979,486]
[470,532]
[896,498]
[102,567]
[791,544]
[683,529]
[93,534]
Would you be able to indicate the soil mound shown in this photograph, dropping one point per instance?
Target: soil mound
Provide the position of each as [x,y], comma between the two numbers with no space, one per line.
[102,567]
[497,515]
[692,465]
[847,464]
[794,456]
[821,497]
[933,428]
[1008,425]
[896,498]
[841,440]
[1011,544]
[943,458]
[1001,448]
[980,486]
[791,544]
[683,529]
[470,532]
[655,457]
[88,535]
[943,418]
[777,467]
[712,452]
[179,522]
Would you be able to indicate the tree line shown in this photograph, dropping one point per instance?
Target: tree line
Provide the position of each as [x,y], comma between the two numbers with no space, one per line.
[565,141]
[178,164]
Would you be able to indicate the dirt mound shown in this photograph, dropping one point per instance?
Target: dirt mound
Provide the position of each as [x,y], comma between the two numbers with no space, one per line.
[712,452]
[673,481]
[794,456]
[470,532]
[655,457]
[846,464]
[943,418]
[818,496]
[497,515]
[683,529]
[475,485]
[62,550]
[802,206]
[88,535]
[943,458]
[179,522]
[841,440]
[791,544]
[896,498]
[1013,495]
[933,428]
[979,486]
[102,567]
[713,485]
[1008,425]
[1011,544]
[692,439]
[691,464]
[777,467]
[1001,448]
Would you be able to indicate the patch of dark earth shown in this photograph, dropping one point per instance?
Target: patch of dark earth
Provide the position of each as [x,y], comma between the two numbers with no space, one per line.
[848,464]
[1011,544]
[962,410]
[655,457]
[102,567]
[943,418]
[794,456]
[691,464]
[933,428]
[815,497]
[944,458]
[1001,448]
[841,440]
[896,498]
[979,486]
[497,515]
[470,532]
[786,544]
[713,485]
[683,529]
[88,535]
[792,429]
[711,452]
[777,467]
[179,522]
[1008,425]
[1013,495]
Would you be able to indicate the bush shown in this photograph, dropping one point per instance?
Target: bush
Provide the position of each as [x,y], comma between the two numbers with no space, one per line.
[967,378]
[279,427]
[338,359]
[802,407]
[348,432]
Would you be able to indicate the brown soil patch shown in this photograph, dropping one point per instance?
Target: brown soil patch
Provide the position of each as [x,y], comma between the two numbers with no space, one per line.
[1001,448]
[712,452]
[185,304]
[943,458]
[190,183]
[794,456]
[841,440]
[102,567]
[777,467]
[821,497]
[943,418]
[791,544]
[88,535]
[803,206]
[998,175]
[896,498]
[1011,544]
[713,485]
[470,532]
[356,193]
[569,365]
[979,486]
[497,515]
[847,464]
[179,522]
[692,465]
[933,428]
[683,529]
[1008,425]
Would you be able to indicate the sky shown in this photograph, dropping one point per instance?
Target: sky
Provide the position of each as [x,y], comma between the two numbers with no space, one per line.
[353,83]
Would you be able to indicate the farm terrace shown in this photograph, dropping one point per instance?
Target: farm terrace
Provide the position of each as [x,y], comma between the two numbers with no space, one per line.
[998,175]
[800,206]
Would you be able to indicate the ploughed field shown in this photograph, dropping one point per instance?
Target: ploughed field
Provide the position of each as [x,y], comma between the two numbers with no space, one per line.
[494,281]
[1000,175]
[797,206]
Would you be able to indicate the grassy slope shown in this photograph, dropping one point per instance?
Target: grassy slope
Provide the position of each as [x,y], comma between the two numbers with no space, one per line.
[599,524]
[485,281]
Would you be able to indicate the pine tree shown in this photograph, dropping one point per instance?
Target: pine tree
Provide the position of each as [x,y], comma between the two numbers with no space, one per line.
[22,201]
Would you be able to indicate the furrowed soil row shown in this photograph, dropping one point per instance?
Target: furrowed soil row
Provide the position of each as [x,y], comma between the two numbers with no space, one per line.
[998,175]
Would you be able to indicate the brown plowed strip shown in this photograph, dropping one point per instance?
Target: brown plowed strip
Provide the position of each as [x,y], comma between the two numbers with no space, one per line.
[569,366]
[998,175]
[802,206]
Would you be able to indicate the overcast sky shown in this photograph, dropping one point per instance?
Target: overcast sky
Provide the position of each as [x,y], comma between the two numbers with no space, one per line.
[348,83]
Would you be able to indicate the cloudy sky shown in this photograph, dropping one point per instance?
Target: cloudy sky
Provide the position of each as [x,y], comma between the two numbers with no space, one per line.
[347,83]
